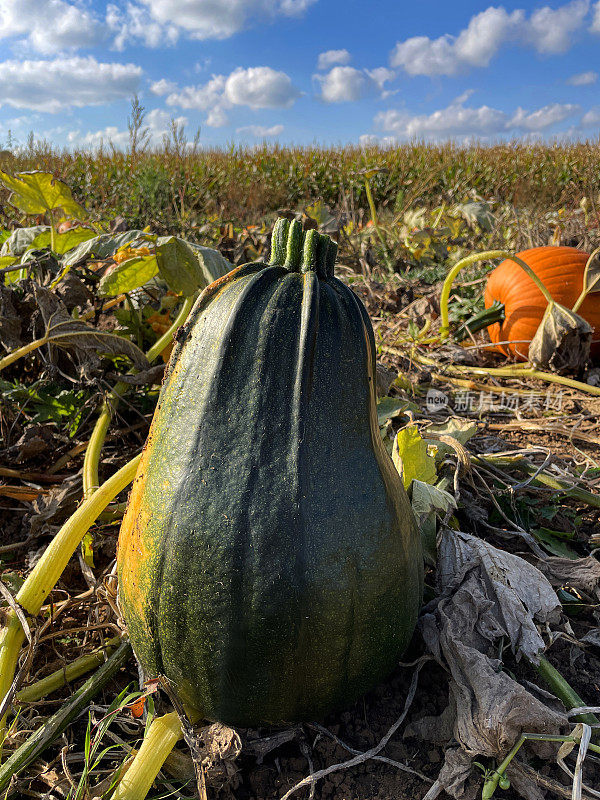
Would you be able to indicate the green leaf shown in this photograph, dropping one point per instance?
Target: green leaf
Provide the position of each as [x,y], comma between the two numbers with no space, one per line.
[460,429]
[553,542]
[20,240]
[428,502]
[411,457]
[39,192]
[128,275]
[476,214]
[106,245]
[390,407]
[63,242]
[179,266]
[212,263]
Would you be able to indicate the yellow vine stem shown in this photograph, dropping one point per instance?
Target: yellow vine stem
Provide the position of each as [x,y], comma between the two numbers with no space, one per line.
[163,734]
[50,567]
[486,255]
[96,443]
[584,288]
[526,371]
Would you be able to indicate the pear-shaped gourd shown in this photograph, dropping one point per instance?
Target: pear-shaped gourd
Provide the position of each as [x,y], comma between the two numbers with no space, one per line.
[269,564]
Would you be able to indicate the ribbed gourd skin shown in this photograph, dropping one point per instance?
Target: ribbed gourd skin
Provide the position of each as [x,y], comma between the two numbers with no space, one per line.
[269,564]
[561,270]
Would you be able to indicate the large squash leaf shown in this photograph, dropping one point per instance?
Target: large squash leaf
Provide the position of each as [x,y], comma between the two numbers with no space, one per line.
[21,240]
[63,242]
[39,192]
[411,457]
[129,275]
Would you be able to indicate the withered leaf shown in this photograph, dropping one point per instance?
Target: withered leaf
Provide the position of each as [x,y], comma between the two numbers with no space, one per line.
[562,342]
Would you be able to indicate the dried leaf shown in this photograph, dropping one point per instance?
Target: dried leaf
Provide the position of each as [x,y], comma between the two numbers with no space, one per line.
[582,574]
[10,321]
[591,276]
[84,340]
[562,342]
[486,594]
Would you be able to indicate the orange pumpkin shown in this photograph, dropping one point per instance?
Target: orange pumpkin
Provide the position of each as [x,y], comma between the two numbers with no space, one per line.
[561,271]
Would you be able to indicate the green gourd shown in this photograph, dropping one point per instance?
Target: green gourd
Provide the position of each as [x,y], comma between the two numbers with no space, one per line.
[269,564]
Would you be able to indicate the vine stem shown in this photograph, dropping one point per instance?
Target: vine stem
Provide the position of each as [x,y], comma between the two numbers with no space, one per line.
[50,567]
[163,734]
[584,288]
[93,452]
[22,351]
[486,255]
[516,371]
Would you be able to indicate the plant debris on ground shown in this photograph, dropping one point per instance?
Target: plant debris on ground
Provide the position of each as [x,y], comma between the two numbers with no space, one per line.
[500,689]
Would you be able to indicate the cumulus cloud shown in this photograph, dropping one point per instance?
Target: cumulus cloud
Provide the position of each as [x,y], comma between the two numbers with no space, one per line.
[591,119]
[458,120]
[49,26]
[583,79]
[198,19]
[255,87]
[547,30]
[260,131]
[157,121]
[331,57]
[61,83]
[595,27]
[135,24]
[347,84]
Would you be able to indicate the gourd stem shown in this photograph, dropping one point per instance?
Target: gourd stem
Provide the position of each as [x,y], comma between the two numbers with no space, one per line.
[295,242]
[279,241]
[563,690]
[50,567]
[53,727]
[584,288]
[516,371]
[163,734]
[93,452]
[472,259]
[22,351]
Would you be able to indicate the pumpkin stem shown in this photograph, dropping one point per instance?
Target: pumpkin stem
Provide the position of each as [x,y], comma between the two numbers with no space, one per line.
[483,318]
[294,249]
[279,239]
[472,259]
[300,251]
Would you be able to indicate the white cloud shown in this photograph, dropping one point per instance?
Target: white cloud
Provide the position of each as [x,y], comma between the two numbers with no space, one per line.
[49,26]
[216,19]
[255,87]
[591,119]
[260,87]
[163,86]
[595,27]
[157,121]
[543,117]
[547,30]
[260,131]
[583,79]
[61,83]
[331,57]
[135,24]
[347,84]
[458,120]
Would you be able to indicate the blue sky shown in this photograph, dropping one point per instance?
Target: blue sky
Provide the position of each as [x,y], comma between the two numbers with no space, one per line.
[299,71]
